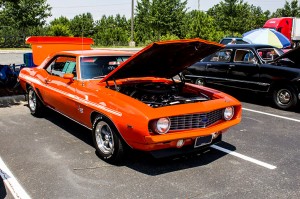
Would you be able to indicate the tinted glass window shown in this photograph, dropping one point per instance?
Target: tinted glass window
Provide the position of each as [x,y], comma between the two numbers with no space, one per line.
[246,56]
[62,65]
[269,54]
[221,56]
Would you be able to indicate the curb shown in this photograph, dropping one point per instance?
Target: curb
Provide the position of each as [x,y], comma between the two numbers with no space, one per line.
[12,100]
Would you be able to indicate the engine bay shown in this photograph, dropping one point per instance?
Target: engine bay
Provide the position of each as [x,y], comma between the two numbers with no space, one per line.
[160,94]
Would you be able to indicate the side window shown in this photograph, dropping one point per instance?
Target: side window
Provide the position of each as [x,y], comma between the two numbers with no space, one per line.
[62,65]
[221,56]
[245,56]
[268,54]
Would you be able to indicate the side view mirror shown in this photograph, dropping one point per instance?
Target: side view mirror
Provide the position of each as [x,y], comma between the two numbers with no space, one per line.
[69,76]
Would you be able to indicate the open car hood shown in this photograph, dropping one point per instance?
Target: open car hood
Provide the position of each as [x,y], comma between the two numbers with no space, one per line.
[164,59]
[293,55]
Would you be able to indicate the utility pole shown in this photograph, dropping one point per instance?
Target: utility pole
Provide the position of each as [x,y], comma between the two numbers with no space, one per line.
[199,5]
[132,43]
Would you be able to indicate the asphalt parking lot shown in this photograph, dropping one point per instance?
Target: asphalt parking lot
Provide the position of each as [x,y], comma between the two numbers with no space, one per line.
[53,157]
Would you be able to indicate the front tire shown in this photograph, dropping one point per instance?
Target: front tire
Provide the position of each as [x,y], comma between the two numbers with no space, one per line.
[284,97]
[200,82]
[35,105]
[107,142]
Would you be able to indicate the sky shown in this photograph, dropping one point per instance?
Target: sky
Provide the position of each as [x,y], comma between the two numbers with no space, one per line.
[98,8]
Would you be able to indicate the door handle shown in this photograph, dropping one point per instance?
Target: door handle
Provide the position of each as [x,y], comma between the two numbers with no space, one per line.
[208,64]
[47,81]
[231,66]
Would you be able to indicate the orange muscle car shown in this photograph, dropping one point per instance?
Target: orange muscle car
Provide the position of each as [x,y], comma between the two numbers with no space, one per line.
[130,100]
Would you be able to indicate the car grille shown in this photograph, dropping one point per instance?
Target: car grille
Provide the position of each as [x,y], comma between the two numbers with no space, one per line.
[199,120]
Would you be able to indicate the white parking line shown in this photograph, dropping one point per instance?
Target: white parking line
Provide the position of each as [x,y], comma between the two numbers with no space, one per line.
[244,157]
[273,115]
[11,182]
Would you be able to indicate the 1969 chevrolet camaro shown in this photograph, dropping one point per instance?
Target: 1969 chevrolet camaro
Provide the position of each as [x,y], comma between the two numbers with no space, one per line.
[129,100]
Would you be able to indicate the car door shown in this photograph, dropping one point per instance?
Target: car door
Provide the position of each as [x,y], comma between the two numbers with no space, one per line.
[217,67]
[59,93]
[243,71]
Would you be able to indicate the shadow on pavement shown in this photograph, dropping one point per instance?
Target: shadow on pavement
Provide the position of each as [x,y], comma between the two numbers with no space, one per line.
[140,161]
[3,192]
[70,126]
[146,164]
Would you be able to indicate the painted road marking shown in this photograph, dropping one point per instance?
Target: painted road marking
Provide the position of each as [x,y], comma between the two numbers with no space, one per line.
[273,115]
[11,182]
[244,157]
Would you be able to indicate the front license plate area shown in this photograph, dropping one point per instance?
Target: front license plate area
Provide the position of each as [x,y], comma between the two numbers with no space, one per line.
[200,141]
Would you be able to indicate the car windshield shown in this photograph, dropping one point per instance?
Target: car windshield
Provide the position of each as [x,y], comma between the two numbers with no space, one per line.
[269,54]
[96,67]
[225,41]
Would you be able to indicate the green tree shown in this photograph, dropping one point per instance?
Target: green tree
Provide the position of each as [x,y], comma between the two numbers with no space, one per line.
[289,10]
[60,20]
[59,30]
[82,25]
[235,17]
[161,17]
[60,27]
[25,14]
[112,31]
[201,25]
[143,34]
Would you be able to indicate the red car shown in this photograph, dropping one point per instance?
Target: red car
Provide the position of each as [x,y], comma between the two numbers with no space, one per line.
[130,100]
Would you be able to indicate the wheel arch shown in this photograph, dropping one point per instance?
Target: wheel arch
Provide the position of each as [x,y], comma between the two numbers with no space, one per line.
[37,91]
[96,114]
[283,83]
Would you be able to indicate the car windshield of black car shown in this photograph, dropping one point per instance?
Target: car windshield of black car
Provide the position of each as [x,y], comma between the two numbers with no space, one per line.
[269,54]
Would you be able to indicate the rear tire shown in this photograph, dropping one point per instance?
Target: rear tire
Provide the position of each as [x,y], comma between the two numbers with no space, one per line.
[107,142]
[284,97]
[35,105]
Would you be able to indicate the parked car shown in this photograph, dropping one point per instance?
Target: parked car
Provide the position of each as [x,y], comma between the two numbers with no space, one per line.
[227,40]
[131,101]
[260,68]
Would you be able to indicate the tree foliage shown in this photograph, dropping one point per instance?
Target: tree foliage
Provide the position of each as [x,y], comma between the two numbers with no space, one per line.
[82,25]
[160,17]
[154,20]
[112,31]
[289,10]
[25,14]
[201,25]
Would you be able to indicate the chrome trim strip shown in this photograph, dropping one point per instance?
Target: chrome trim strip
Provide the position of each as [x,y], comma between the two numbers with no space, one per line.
[233,80]
[73,97]
[69,118]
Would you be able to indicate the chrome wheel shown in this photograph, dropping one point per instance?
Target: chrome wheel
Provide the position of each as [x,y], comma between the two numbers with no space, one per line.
[200,82]
[284,96]
[104,138]
[32,100]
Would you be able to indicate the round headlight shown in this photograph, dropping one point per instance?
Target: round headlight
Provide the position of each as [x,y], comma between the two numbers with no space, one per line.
[162,125]
[228,113]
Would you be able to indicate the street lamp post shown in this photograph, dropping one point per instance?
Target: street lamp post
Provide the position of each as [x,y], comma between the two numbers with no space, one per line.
[132,43]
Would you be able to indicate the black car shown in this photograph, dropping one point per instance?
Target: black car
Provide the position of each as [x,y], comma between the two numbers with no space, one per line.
[227,40]
[260,68]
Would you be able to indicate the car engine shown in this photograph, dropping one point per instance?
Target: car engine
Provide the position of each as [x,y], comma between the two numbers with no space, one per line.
[157,94]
